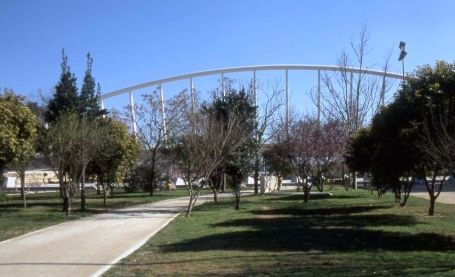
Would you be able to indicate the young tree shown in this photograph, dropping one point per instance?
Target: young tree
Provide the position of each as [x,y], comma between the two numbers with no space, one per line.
[18,132]
[419,127]
[238,165]
[271,102]
[215,135]
[117,154]
[69,144]
[154,131]
[353,98]
[313,148]
[433,99]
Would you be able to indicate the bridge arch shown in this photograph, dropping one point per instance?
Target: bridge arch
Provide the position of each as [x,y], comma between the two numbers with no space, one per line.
[253,69]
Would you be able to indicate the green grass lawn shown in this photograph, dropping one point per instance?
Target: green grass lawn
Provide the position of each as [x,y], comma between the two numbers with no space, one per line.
[350,234]
[45,209]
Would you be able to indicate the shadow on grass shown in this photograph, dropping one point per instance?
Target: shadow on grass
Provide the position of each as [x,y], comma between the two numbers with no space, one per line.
[299,197]
[317,229]
[18,206]
[318,212]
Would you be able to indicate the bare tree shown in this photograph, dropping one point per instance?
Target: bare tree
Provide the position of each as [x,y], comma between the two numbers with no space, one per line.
[206,145]
[313,148]
[69,144]
[157,122]
[353,98]
[270,103]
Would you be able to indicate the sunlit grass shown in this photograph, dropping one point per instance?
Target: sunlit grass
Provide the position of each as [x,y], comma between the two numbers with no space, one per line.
[350,234]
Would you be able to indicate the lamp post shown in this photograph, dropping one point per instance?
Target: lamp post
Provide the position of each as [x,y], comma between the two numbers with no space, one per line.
[403,54]
[102,112]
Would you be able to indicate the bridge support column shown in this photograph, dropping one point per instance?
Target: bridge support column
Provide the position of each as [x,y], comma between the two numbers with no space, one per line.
[319,96]
[192,103]
[287,104]
[133,117]
[163,114]
[222,85]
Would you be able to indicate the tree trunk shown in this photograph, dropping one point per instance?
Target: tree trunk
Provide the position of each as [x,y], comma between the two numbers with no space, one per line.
[306,192]
[190,206]
[98,187]
[152,188]
[67,202]
[23,188]
[237,200]
[432,205]
[193,199]
[354,180]
[256,174]
[106,189]
[215,194]
[306,195]
[223,186]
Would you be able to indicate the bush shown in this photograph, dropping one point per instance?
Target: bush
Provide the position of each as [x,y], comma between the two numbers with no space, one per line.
[4,197]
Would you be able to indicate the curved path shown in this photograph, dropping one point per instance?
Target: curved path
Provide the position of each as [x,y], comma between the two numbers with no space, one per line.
[89,246]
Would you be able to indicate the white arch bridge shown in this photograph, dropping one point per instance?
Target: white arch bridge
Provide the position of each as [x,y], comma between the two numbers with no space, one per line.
[253,69]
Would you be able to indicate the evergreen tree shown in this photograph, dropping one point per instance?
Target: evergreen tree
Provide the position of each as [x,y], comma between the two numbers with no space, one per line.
[89,99]
[65,96]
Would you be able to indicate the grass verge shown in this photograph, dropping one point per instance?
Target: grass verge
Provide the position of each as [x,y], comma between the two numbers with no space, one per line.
[350,234]
[44,209]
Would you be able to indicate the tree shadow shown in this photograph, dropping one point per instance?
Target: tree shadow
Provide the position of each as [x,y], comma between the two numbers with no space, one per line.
[19,206]
[317,229]
[315,212]
[299,197]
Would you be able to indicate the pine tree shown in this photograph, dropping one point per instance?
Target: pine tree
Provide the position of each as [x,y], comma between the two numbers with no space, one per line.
[65,96]
[89,99]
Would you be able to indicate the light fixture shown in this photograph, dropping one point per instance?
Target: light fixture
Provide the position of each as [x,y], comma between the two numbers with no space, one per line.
[402,55]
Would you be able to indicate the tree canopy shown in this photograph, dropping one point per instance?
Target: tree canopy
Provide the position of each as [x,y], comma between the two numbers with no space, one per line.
[414,135]
[18,130]
[66,95]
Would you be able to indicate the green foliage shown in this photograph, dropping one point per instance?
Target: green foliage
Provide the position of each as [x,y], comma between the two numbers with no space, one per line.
[89,98]
[117,153]
[277,158]
[241,103]
[65,96]
[414,135]
[390,146]
[360,151]
[69,144]
[4,197]
[18,130]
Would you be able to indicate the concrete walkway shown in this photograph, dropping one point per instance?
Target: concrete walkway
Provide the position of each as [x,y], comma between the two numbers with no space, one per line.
[89,246]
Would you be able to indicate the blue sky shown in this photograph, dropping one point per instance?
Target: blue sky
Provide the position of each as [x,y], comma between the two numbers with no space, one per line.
[137,41]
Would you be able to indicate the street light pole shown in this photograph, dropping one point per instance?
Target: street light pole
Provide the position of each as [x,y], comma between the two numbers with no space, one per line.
[403,54]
